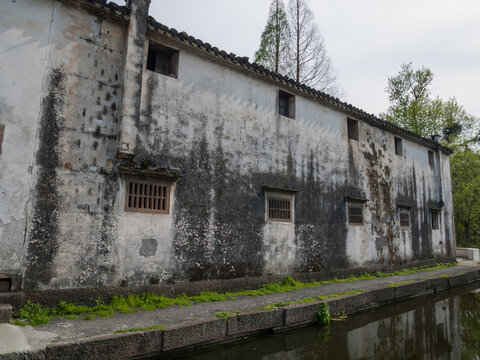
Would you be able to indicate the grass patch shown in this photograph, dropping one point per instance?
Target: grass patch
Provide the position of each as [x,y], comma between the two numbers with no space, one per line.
[35,314]
[310,299]
[227,314]
[399,283]
[153,327]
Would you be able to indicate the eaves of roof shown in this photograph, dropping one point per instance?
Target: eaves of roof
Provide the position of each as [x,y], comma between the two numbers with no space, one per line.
[123,12]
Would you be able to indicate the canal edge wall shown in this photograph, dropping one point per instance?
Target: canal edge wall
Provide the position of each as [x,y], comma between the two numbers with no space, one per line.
[214,330]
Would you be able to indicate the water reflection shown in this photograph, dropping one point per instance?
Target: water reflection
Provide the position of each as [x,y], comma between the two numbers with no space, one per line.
[442,326]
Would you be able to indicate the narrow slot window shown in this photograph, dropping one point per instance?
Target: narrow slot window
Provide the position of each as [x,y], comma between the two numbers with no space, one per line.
[431,159]
[352,129]
[398,146]
[435,219]
[2,130]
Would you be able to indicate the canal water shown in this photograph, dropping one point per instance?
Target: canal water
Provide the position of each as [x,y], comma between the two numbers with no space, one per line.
[439,326]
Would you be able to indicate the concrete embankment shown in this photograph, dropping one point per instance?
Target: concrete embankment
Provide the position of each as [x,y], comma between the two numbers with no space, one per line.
[186,327]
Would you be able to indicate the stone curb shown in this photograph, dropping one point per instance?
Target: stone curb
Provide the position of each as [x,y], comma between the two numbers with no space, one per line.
[217,330]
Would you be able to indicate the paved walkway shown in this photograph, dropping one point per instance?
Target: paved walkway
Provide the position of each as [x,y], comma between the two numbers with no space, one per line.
[19,339]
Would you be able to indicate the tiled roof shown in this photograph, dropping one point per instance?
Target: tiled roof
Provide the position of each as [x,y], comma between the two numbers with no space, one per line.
[243,62]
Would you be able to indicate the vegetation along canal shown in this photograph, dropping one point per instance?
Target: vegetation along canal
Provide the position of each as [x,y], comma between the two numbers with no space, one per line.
[440,326]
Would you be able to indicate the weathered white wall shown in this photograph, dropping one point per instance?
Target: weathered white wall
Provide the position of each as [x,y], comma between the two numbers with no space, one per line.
[24,35]
[219,128]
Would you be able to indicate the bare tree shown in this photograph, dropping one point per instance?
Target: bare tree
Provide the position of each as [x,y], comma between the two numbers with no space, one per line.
[310,63]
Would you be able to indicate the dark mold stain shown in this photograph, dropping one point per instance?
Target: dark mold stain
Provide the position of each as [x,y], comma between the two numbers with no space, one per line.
[42,245]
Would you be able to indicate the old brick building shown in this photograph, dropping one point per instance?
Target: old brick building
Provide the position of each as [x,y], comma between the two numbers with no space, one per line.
[133,154]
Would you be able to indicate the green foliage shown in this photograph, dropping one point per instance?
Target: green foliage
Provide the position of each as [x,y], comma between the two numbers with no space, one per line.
[469,318]
[323,314]
[19,322]
[399,283]
[465,168]
[153,327]
[413,108]
[36,314]
[227,314]
[273,51]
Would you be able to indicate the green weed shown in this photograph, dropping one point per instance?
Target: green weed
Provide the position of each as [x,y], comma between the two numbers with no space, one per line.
[35,314]
[399,283]
[153,327]
[227,314]
[323,314]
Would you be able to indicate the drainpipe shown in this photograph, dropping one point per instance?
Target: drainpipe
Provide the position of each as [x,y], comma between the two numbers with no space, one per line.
[132,78]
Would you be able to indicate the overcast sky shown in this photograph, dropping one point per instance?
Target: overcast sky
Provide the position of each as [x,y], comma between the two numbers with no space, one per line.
[367,40]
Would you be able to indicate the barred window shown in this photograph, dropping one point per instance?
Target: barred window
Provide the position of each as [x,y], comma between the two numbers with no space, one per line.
[435,219]
[280,206]
[148,196]
[355,213]
[404,217]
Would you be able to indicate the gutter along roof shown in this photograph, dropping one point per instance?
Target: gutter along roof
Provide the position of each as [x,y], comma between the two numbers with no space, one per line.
[243,63]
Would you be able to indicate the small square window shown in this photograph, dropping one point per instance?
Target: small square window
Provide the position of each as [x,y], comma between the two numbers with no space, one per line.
[279,207]
[404,215]
[162,60]
[435,214]
[2,130]
[352,129]
[355,213]
[147,196]
[286,104]
[431,159]
[398,146]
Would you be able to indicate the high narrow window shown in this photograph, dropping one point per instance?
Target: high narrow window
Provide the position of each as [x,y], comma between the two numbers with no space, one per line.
[286,104]
[435,214]
[398,146]
[147,196]
[162,60]
[404,215]
[355,213]
[2,130]
[352,129]
[279,207]
[431,159]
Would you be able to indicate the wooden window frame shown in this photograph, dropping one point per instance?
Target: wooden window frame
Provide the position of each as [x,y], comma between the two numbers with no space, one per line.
[149,200]
[272,196]
[155,51]
[352,204]
[290,105]
[435,219]
[2,132]
[403,211]
[352,126]
[398,146]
